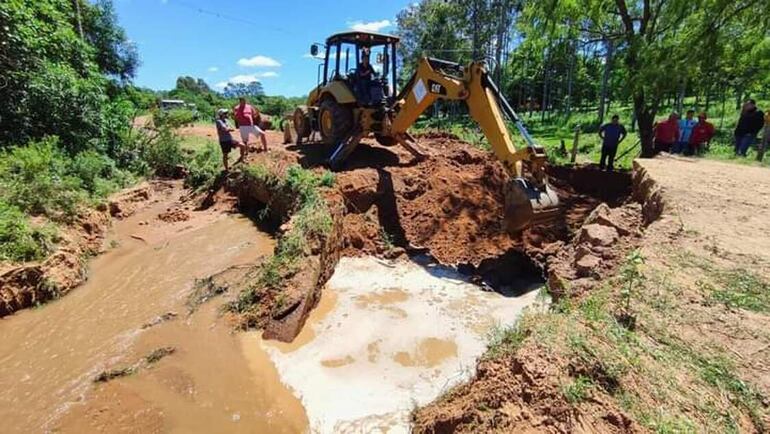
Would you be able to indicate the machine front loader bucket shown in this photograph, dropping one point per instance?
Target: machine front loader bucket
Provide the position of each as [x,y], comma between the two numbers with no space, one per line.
[527,205]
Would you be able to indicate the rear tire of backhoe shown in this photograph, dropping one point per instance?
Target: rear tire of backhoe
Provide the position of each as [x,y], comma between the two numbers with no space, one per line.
[334,121]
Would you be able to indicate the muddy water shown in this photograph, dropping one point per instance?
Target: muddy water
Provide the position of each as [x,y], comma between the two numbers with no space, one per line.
[211,383]
[385,338]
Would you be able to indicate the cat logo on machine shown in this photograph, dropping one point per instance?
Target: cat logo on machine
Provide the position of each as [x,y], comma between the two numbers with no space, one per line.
[436,88]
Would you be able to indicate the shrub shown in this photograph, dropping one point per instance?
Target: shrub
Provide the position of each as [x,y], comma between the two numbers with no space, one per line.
[35,179]
[163,152]
[98,174]
[19,241]
[203,167]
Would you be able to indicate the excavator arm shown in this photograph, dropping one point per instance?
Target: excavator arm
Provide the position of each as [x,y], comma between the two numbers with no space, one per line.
[529,198]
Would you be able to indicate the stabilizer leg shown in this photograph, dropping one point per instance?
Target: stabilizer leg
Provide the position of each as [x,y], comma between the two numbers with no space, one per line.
[344,149]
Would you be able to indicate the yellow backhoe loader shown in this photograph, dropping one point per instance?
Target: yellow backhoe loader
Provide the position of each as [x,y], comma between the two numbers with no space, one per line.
[347,106]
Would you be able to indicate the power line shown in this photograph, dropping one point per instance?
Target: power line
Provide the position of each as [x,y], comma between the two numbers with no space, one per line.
[228,17]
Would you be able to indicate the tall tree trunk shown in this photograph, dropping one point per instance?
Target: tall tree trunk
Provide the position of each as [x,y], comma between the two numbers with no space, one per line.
[724,100]
[708,99]
[609,48]
[570,76]
[738,96]
[645,119]
[680,95]
[546,83]
[77,15]
[501,36]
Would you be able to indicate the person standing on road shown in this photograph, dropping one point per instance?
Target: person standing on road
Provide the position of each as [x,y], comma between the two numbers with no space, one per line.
[686,126]
[751,121]
[612,134]
[246,116]
[226,141]
[701,135]
[667,133]
[765,138]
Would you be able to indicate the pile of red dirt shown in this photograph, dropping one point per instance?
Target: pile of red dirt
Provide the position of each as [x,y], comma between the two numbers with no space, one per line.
[450,205]
[173,215]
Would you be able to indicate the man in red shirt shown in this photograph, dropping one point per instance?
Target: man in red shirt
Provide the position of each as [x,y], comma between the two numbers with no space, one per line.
[701,134]
[667,133]
[246,116]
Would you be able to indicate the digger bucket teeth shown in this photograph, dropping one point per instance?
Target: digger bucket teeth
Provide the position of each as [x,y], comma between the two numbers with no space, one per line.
[527,205]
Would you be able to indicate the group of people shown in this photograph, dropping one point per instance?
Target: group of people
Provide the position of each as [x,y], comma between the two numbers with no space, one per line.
[247,121]
[683,136]
[689,136]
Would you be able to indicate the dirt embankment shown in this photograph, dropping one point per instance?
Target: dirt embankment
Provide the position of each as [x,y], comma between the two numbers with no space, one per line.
[449,207]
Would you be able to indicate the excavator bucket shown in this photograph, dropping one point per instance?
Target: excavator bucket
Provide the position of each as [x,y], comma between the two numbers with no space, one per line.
[527,205]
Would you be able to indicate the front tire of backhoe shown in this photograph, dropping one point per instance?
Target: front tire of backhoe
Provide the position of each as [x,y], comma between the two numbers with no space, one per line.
[334,121]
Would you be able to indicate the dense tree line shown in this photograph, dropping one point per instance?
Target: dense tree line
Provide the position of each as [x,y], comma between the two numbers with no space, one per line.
[558,56]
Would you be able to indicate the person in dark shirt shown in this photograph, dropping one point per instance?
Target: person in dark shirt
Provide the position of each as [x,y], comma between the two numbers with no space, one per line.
[364,75]
[750,123]
[226,141]
[612,134]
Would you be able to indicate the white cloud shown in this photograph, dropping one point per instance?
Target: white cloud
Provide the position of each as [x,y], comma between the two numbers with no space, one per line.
[213,69]
[259,61]
[268,74]
[221,85]
[372,26]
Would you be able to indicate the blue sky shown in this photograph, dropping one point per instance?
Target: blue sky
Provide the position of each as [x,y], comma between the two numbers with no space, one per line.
[266,40]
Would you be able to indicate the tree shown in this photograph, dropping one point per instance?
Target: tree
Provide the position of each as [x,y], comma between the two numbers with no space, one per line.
[115,54]
[51,82]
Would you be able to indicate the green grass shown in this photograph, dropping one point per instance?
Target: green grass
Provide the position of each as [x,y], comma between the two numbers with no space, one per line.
[505,340]
[738,288]
[20,240]
[195,143]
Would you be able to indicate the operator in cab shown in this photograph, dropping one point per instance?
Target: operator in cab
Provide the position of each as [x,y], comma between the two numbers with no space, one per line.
[364,75]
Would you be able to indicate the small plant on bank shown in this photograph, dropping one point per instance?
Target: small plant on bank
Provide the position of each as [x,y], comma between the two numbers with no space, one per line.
[504,340]
[631,278]
[578,390]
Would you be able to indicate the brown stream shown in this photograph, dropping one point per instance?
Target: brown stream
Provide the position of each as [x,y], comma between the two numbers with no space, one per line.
[213,382]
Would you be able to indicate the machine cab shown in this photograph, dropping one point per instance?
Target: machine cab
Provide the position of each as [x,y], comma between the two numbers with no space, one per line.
[344,53]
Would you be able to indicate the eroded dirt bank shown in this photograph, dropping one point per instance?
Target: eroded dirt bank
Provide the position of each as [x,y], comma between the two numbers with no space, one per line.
[134,348]
[449,207]
[673,340]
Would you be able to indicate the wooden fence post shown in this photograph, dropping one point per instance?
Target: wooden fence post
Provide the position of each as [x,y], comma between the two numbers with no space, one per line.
[575,144]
